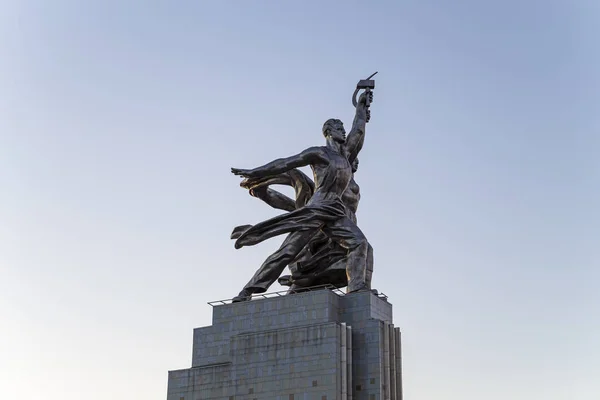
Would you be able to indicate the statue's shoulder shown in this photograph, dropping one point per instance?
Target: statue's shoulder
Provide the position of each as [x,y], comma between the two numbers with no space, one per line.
[318,148]
[321,150]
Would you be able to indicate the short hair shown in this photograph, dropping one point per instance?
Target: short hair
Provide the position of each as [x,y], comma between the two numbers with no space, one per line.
[329,123]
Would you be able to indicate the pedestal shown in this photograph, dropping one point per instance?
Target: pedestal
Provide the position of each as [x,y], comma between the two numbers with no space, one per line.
[319,345]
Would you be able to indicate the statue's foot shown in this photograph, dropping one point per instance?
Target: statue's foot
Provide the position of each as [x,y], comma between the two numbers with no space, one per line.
[362,288]
[245,295]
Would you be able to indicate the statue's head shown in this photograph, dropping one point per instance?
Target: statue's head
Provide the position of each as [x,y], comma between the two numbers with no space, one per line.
[334,128]
[355,165]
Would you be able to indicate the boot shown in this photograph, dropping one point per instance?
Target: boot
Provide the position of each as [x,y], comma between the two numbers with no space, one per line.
[245,295]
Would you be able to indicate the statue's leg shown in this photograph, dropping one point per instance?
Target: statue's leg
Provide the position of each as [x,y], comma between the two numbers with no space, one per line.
[369,273]
[349,236]
[273,266]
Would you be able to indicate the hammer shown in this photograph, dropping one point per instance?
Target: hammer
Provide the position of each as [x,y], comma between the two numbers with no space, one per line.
[366,84]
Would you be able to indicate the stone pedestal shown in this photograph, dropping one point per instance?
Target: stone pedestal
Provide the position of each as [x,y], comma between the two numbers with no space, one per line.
[317,345]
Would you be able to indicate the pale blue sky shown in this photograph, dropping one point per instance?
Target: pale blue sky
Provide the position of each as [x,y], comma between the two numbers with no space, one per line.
[119,121]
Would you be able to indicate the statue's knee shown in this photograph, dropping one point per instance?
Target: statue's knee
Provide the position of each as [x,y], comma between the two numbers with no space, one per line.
[359,243]
[364,245]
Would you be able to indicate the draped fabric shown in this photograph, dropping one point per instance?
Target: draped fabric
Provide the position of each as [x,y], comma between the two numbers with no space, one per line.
[310,217]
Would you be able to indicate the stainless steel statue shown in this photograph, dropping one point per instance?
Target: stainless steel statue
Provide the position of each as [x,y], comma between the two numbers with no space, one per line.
[324,245]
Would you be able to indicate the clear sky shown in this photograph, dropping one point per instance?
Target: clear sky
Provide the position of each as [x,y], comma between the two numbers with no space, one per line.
[480,177]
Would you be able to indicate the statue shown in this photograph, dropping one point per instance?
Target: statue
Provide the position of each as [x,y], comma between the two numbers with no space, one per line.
[321,223]
[322,261]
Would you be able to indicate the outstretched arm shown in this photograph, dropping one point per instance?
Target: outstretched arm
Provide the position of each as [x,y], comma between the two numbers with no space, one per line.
[313,155]
[274,198]
[303,186]
[356,137]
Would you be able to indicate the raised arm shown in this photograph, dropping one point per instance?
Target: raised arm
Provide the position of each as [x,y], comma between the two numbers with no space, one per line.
[356,137]
[312,155]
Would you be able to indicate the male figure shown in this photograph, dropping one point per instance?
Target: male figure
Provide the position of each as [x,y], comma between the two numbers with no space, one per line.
[325,211]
